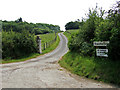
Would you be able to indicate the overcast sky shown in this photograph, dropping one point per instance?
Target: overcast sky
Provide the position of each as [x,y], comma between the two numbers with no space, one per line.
[57,12]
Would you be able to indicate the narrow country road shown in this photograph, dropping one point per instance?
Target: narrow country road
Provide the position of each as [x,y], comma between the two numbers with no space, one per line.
[45,72]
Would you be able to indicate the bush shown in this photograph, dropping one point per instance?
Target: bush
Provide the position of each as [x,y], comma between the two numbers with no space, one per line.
[114,47]
[83,42]
[109,30]
[38,28]
[16,45]
[77,44]
[95,28]
[103,31]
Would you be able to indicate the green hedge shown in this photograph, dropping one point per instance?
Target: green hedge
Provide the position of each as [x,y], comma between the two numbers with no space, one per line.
[98,28]
[16,45]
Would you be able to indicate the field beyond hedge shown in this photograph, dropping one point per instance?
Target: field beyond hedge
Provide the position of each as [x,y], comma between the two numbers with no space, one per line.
[48,38]
[69,33]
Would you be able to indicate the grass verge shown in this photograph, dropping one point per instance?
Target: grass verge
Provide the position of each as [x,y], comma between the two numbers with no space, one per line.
[21,59]
[94,68]
[34,55]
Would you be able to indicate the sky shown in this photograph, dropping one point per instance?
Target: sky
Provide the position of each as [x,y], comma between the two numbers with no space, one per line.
[57,12]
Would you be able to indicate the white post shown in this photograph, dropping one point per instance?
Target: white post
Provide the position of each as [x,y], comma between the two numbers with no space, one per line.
[40,48]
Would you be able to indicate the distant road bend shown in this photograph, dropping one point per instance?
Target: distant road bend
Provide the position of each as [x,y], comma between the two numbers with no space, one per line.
[45,72]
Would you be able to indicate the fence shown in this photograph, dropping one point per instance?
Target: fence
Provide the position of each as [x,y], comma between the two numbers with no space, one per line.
[43,46]
[48,44]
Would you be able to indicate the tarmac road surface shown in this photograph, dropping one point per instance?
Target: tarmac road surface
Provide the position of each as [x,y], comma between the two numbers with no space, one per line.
[45,72]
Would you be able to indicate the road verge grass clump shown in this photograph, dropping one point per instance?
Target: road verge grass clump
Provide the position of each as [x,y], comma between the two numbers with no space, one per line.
[95,68]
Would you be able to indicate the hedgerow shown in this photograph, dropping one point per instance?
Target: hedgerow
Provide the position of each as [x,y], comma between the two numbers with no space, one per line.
[98,28]
[16,45]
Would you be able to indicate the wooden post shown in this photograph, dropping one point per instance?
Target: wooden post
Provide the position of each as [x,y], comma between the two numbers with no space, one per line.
[44,46]
[55,36]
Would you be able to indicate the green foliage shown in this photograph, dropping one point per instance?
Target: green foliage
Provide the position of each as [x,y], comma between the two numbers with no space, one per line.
[16,45]
[46,38]
[38,28]
[81,61]
[53,45]
[109,30]
[114,47]
[83,42]
[73,25]
[70,33]
[102,32]
[41,31]
[97,28]
[19,39]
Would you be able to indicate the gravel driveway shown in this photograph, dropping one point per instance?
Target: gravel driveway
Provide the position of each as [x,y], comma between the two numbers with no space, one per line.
[45,72]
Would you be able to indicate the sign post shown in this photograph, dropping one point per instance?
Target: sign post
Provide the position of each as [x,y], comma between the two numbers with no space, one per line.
[101,50]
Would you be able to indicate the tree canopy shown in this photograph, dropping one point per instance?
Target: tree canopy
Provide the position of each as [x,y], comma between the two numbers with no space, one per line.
[38,28]
[73,25]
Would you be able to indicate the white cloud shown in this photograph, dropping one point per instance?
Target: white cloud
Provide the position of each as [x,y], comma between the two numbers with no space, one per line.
[49,11]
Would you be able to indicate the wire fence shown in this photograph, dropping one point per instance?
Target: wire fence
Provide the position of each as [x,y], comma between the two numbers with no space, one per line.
[48,44]
[43,46]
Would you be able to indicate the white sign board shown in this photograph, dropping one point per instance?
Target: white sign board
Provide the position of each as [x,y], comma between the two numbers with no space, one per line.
[100,43]
[102,52]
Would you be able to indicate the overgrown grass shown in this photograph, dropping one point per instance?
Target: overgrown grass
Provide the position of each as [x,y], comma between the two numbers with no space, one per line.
[45,38]
[95,68]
